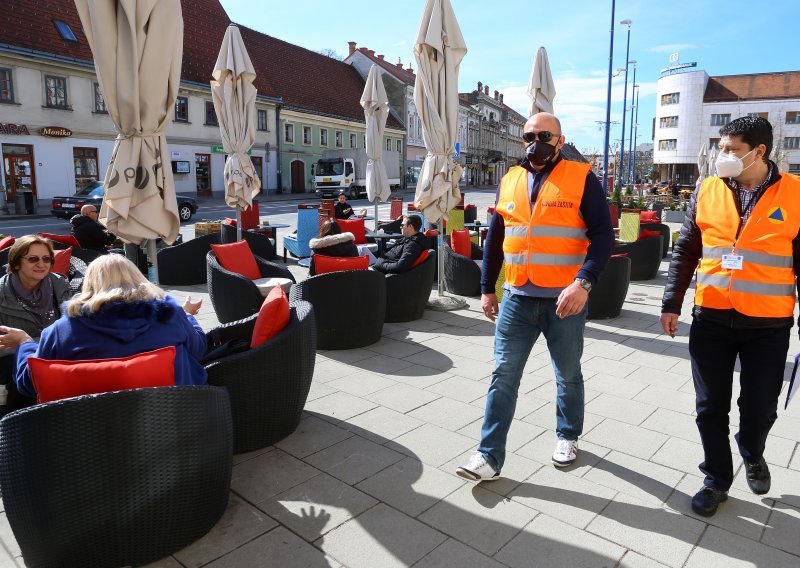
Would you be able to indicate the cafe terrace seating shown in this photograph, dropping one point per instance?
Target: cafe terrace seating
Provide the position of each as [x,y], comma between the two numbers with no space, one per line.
[608,294]
[407,294]
[184,264]
[349,307]
[307,229]
[235,296]
[261,245]
[116,479]
[268,384]
[462,275]
[645,255]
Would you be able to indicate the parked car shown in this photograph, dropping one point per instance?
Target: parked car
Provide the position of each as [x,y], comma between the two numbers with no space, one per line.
[92,192]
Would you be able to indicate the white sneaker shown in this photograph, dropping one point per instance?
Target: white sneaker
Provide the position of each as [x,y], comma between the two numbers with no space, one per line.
[478,469]
[566,453]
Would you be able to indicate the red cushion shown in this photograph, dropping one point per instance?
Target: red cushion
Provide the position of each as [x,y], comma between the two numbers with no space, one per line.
[355,226]
[649,216]
[645,234]
[421,258]
[229,221]
[621,255]
[61,261]
[6,242]
[461,243]
[237,257]
[54,380]
[66,239]
[432,233]
[272,317]
[323,264]
[250,217]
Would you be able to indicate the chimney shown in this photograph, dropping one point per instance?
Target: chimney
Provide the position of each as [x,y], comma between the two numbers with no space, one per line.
[410,69]
[496,94]
[380,57]
[352,46]
[399,64]
[480,86]
[501,98]
[371,52]
[486,90]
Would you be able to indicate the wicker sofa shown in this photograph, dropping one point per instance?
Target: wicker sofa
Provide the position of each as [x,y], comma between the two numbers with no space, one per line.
[407,294]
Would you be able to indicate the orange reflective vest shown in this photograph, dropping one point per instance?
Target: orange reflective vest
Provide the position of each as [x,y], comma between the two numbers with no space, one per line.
[546,246]
[765,285]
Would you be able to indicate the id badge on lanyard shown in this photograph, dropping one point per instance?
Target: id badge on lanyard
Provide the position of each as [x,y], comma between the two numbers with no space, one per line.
[732,261]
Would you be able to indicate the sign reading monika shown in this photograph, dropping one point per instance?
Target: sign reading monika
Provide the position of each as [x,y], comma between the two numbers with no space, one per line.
[55,131]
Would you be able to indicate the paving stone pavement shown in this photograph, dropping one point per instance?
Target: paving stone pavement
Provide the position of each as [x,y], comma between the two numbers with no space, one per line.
[368,478]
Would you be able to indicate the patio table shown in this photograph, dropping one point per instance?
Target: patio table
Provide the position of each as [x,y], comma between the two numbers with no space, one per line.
[381,239]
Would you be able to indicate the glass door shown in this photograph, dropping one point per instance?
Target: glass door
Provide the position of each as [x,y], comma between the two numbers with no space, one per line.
[85,164]
[203,173]
[18,170]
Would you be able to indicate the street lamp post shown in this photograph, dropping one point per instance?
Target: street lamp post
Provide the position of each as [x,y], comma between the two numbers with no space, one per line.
[634,115]
[628,23]
[608,100]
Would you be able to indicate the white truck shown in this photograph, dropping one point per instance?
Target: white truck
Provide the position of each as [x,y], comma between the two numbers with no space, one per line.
[345,171]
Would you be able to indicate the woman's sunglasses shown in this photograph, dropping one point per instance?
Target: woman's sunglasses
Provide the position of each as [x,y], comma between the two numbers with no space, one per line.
[542,135]
[36,259]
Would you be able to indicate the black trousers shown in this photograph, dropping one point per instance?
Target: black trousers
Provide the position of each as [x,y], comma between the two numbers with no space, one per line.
[762,354]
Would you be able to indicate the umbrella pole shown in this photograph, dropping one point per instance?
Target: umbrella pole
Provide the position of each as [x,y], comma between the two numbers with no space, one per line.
[376,215]
[238,222]
[151,254]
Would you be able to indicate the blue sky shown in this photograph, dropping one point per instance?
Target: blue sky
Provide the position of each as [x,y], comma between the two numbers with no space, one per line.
[724,38]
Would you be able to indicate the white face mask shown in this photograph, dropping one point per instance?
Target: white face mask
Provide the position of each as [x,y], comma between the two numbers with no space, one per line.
[732,166]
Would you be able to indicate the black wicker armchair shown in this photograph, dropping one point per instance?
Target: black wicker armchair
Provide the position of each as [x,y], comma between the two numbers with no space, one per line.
[184,264]
[349,307]
[260,244]
[645,255]
[407,294]
[234,296]
[462,276]
[665,234]
[116,479]
[608,294]
[269,384]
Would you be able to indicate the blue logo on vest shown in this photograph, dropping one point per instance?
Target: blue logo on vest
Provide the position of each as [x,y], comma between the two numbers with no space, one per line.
[510,207]
[776,215]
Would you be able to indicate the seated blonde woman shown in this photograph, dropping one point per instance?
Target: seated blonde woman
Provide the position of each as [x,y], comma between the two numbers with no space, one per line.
[118,314]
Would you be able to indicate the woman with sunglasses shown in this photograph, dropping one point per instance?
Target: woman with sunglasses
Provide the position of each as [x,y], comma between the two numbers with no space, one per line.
[30,300]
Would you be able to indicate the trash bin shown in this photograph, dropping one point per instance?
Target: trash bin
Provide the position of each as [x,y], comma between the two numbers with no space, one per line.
[29,208]
[19,204]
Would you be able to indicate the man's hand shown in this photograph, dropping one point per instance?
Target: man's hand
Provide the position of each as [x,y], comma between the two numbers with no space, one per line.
[571,300]
[191,307]
[670,323]
[11,338]
[489,305]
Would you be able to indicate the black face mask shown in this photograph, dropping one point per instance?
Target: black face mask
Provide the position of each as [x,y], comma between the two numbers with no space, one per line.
[539,153]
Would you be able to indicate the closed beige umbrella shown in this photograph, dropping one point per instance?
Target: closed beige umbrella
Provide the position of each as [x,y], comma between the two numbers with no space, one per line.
[541,88]
[138,48]
[376,111]
[439,49]
[235,104]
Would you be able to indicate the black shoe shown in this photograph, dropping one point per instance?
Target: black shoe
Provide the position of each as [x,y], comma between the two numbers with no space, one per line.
[706,501]
[758,477]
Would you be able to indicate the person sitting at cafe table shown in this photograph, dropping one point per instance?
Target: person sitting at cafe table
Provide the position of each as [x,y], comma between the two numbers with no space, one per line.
[332,242]
[90,233]
[342,209]
[401,257]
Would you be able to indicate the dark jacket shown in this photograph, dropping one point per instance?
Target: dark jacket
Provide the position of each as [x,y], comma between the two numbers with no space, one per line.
[121,329]
[594,210]
[342,210]
[332,245]
[91,234]
[402,255]
[686,256]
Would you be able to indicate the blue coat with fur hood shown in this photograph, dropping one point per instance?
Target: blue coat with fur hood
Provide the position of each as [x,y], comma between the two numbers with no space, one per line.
[120,329]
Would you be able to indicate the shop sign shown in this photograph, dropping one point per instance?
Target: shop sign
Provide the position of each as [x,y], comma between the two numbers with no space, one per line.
[221,150]
[55,131]
[8,128]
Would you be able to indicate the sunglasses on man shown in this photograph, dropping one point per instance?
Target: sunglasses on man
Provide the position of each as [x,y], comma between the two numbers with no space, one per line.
[542,135]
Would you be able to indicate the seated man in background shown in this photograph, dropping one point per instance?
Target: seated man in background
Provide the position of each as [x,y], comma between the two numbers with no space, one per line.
[89,232]
[401,257]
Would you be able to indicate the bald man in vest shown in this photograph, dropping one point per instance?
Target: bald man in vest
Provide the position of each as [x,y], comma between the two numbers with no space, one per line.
[742,236]
[552,227]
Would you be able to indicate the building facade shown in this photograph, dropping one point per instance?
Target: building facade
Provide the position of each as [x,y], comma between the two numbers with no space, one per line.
[692,106]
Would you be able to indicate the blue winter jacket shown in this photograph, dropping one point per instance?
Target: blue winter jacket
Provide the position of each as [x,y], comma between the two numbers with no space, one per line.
[120,329]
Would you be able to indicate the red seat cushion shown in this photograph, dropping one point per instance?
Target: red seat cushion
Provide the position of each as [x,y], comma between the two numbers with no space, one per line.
[237,257]
[61,261]
[432,233]
[250,217]
[355,226]
[645,234]
[649,216]
[66,239]
[229,221]
[6,242]
[54,380]
[421,258]
[461,243]
[272,317]
[323,264]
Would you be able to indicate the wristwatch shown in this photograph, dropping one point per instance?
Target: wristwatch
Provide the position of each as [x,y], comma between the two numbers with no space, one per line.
[585,284]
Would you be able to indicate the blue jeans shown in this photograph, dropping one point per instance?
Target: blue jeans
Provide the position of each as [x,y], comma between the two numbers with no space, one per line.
[521,320]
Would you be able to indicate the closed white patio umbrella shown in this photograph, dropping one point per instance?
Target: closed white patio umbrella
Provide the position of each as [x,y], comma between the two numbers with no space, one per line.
[702,161]
[138,48]
[234,98]
[376,111]
[541,88]
[712,162]
[439,50]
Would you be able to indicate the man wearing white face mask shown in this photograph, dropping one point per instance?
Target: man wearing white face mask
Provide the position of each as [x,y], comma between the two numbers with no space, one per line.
[742,227]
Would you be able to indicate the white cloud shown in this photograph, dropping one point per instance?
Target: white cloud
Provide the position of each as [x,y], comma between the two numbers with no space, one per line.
[671,47]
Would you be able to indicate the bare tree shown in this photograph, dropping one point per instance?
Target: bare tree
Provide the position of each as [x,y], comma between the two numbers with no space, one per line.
[328,52]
